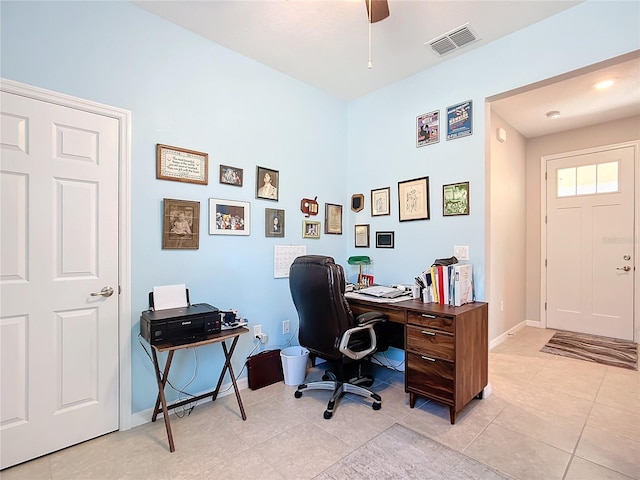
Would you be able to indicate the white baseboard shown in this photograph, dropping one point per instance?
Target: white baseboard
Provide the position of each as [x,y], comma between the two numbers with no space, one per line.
[534,323]
[144,416]
[498,340]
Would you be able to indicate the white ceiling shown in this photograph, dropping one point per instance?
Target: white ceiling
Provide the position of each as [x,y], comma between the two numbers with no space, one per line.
[324,43]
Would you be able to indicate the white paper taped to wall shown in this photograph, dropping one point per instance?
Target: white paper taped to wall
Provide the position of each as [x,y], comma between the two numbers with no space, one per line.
[283,257]
[169,296]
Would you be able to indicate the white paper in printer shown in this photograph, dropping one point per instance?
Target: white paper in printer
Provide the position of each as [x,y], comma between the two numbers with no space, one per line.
[169,296]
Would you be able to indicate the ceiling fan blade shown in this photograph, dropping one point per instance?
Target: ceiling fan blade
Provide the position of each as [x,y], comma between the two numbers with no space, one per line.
[379,10]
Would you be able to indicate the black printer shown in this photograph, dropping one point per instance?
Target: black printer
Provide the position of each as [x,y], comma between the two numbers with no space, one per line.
[180,325]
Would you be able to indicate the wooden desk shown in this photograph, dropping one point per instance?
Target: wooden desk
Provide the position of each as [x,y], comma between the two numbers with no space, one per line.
[163,375]
[446,349]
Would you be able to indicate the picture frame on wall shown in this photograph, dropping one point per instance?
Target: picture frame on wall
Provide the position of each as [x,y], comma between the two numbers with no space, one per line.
[333,219]
[381,201]
[229,217]
[181,224]
[385,239]
[361,237]
[273,222]
[455,199]
[181,165]
[428,128]
[267,183]
[413,199]
[460,120]
[310,229]
[231,175]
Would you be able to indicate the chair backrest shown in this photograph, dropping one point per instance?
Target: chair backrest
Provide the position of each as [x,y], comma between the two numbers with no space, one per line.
[317,289]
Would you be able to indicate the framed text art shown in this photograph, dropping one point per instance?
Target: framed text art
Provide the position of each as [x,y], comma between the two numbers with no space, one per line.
[428,128]
[385,239]
[267,183]
[380,201]
[362,236]
[273,222]
[231,175]
[455,199]
[460,120]
[333,218]
[229,217]
[181,224]
[413,199]
[182,165]
[310,229]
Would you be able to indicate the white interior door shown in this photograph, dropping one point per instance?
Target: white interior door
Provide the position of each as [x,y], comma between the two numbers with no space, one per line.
[59,234]
[590,243]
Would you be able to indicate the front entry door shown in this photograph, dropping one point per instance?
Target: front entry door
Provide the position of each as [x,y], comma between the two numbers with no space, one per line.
[590,242]
[58,277]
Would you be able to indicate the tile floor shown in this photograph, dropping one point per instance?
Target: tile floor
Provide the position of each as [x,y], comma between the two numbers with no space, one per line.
[548,418]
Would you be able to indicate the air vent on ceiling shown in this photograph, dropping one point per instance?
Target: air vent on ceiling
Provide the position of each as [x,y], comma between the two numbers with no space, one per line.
[456,38]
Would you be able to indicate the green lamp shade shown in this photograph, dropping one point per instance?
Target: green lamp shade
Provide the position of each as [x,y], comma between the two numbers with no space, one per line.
[359,260]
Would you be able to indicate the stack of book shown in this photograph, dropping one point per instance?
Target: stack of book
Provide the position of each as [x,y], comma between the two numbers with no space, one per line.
[447,285]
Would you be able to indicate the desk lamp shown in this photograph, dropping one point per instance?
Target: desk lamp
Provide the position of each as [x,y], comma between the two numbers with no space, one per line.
[359,260]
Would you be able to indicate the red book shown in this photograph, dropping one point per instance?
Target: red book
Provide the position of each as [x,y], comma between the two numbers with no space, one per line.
[440,285]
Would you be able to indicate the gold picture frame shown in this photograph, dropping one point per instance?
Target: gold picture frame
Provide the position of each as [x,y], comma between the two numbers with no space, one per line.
[310,229]
[182,165]
[181,224]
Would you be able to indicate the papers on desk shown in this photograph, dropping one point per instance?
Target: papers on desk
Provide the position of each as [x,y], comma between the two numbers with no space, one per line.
[383,292]
[370,298]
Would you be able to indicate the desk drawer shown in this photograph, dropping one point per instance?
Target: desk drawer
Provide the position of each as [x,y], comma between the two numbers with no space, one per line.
[431,343]
[431,321]
[394,315]
[430,377]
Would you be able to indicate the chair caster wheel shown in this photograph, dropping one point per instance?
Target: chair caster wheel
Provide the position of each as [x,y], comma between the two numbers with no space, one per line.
[328,414]
[377,406]
[297,394]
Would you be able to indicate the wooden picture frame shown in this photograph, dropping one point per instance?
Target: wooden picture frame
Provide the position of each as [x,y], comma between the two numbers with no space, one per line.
[385,239]
[231,175]
[229,217]
[273,222]
[180,224]
[455,199]
[381,201]
[413,199]
[310,229]
[357,202]
[181,165]
[332,219]
[361,236]
[267,183]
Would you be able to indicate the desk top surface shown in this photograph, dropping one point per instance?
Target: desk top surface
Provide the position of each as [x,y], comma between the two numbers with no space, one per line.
[213,338]
[415,305]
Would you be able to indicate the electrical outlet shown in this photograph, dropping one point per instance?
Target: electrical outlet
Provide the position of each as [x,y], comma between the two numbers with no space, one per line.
[461,252]
[286,327]
[257,331]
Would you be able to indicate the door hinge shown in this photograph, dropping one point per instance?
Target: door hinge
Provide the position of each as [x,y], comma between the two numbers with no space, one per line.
[545,306]
[545,263]
[545,176]
[545,219]
[119,289]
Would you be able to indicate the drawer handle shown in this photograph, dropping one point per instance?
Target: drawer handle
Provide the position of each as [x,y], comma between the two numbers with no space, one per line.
[428,316]
[428,333]
[428,358]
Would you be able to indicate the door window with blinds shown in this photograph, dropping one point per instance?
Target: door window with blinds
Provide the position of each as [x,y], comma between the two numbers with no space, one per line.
[587,179]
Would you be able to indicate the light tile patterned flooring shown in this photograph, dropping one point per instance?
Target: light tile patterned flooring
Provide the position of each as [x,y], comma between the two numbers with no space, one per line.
[549,417]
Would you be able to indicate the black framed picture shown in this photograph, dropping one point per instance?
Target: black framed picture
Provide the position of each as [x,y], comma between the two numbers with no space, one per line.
[455,199]
[413,199]
[273,222]
[385,239]
[362,236]
[267,181]
[231,175]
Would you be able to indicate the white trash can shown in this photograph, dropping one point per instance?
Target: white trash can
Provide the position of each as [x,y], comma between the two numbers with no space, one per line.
[294,365]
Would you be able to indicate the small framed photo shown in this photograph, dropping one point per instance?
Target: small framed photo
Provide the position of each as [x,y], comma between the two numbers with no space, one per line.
[428,128]
[385,239]
[455,199]
[231,175]
[333,219]
[362,236]
[381,201]
[267,183]
[413,199]
[460,120]
[273,222]
[182,165]
[357,202]
[181,224]
[310,229]
[229,217]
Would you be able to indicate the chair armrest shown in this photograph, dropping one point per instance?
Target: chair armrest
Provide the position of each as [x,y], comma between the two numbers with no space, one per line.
[353,354]
[371,318]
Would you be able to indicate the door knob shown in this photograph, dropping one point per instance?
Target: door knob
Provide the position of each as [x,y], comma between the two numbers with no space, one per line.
[626,268]
[105,292]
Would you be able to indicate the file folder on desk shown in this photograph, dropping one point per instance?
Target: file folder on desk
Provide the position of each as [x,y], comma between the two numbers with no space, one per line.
[462,284]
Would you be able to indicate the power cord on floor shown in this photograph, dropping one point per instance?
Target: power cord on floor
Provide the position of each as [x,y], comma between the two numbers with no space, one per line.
[388,363]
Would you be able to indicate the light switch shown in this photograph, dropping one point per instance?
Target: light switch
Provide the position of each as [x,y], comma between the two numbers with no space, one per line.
[461,252]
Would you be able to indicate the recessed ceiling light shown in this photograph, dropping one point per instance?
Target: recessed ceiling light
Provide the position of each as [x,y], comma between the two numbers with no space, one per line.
[552,115]
[604,83]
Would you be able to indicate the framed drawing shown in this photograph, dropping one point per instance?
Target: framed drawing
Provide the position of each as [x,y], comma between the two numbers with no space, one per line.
[413,199]
[428,128]
[182,165]
[181,224]
[333,218]
[362,236]
[357,202]
[267,183]
[229,217]
[231,175]
[459,120]
[384,239]
[273,222]
[310,229]
[380,201]
[455,199]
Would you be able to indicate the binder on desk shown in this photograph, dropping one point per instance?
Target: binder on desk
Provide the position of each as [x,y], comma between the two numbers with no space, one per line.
[462,284]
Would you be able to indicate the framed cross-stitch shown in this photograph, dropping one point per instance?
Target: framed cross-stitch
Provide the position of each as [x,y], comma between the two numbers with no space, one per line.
[273,222]
[229,217]
[380,201]
[231,175]
[455,199]
[181,224]
[362,236]
[333,218]
[182,165]
[385,239]
[413,199]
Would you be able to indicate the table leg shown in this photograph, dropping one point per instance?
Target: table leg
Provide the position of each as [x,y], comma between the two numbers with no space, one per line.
[227,365]
[165,377]
[161,397]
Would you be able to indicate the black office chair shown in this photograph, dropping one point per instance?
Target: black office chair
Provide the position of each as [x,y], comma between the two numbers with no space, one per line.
[329,330]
